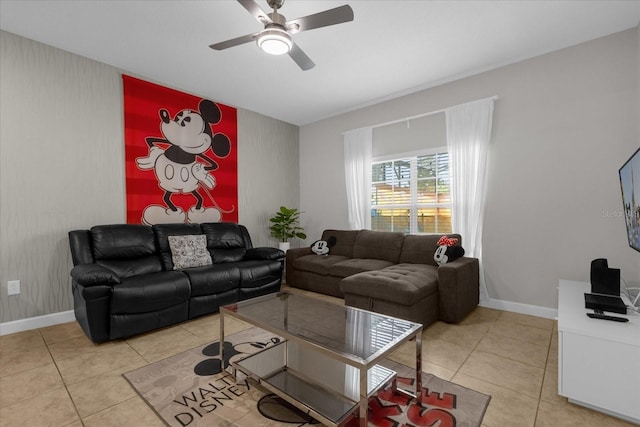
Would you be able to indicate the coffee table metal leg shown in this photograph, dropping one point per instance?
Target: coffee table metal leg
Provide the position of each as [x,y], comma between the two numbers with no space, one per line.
[221,340]
[364,400]
[415,397]
[418,365]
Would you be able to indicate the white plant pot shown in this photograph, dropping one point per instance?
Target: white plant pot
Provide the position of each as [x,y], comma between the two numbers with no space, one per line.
[284,246]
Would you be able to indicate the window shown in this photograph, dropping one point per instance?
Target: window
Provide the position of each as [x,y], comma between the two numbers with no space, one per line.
[411,194]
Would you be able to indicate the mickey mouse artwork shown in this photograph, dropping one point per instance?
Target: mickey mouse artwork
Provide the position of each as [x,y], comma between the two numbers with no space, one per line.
[183,157]
[188,135]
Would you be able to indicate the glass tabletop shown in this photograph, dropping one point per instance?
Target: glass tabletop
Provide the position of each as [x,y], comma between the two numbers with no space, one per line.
[358,335]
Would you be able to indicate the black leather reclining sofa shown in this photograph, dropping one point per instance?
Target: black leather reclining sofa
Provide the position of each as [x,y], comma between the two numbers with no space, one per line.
[124,281]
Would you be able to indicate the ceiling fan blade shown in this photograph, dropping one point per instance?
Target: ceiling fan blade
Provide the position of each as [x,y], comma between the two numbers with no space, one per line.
[234,42]
[334,16]
[256,11]
[301,58]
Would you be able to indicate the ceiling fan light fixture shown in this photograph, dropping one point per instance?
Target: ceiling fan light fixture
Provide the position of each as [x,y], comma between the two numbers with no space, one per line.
[274,41]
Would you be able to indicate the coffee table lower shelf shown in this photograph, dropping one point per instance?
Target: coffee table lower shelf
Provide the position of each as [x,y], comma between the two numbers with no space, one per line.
[269,368]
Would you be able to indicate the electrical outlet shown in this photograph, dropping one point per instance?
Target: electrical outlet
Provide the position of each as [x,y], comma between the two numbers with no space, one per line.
[13,287]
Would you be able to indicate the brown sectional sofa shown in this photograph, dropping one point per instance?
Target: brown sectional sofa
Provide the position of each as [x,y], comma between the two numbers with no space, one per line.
[389,273]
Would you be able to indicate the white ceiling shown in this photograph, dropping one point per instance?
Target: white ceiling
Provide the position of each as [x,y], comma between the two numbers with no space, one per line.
[391,48]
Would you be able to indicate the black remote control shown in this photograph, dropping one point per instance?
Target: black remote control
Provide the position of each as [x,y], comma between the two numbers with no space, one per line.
[599,314]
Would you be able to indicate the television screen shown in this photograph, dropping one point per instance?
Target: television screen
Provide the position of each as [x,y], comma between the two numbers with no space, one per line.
[630,186]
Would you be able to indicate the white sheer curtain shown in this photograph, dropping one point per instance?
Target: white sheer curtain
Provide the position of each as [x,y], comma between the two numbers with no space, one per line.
[468,136]
[358,153]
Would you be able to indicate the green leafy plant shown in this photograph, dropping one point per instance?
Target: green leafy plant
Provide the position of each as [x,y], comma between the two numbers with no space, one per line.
[285,224]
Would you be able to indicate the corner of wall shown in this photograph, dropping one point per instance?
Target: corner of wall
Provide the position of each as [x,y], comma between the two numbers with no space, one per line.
[638,75]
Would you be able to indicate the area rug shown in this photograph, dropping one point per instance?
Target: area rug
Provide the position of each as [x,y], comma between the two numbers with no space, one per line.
[192,389]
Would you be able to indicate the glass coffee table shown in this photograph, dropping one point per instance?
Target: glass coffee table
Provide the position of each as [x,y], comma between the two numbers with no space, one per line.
[327,364]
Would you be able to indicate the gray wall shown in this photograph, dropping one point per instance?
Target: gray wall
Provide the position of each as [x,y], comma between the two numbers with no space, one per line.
[410,135]
[59,112]
[563,125]
[267,172]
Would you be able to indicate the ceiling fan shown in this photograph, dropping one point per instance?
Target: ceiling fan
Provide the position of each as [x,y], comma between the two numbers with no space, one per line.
[276,39]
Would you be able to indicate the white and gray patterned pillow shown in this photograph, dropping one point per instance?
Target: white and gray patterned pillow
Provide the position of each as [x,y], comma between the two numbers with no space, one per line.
[189,251]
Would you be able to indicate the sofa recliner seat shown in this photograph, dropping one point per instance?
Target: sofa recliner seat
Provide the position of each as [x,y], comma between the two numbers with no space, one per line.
[401,283]
[389,273]
[124,282]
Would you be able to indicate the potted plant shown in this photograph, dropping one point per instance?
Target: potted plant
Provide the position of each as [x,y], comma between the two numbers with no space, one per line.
[285,224]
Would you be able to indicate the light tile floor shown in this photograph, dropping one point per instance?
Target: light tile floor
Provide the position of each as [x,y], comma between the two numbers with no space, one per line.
[55,376]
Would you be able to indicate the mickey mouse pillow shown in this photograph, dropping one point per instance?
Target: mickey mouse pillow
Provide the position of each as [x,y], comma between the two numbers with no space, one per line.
[447,250]
[322,247]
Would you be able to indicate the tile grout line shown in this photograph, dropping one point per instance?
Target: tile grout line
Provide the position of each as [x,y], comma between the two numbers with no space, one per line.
[467,358]
[135,351]
[486,333]
[66,386]
[544,377]
[473,350]
[544,372]
[64,383]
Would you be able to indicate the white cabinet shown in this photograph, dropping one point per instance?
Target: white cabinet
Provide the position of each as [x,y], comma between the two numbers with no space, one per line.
[598,360]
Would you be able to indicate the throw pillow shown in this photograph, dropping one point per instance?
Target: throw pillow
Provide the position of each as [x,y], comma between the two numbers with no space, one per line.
[447,250]
[322,247]
[189,251]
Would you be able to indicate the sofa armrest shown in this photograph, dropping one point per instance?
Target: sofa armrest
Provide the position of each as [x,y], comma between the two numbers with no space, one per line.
[264,253]
[93,275]
[458,288]
[292,255]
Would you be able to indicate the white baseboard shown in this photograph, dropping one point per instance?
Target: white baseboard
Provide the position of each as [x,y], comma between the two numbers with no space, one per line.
[516,307]
[36,322]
